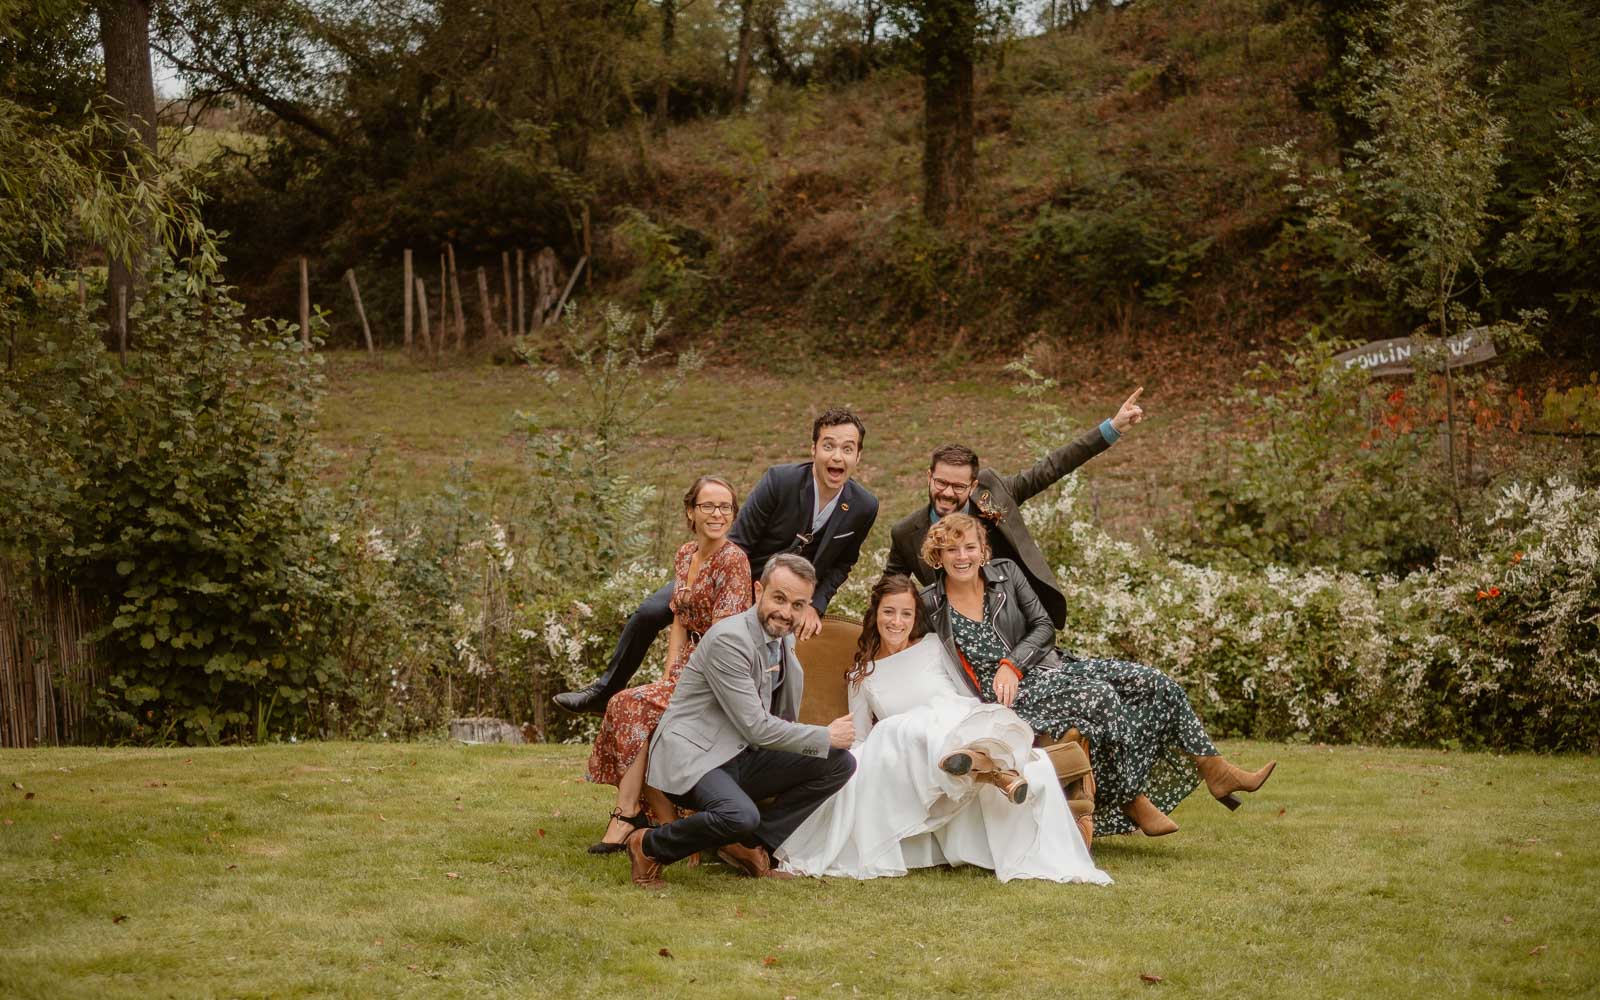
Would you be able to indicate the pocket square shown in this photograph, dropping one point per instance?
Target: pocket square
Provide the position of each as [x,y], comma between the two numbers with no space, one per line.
[845,534]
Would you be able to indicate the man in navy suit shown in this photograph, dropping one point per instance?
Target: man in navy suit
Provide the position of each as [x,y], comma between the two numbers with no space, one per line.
[814,509]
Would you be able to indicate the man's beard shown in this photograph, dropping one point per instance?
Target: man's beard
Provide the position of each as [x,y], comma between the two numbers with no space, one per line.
[767,624]
[955,505]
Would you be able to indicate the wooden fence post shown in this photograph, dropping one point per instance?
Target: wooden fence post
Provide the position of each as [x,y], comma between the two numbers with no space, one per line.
[570,282]
[444,302]
[422,314]
[355,292]
[305,304]
[505,275]
[455,296]
[522,312]
[409,292]
[483,304]
[544,286]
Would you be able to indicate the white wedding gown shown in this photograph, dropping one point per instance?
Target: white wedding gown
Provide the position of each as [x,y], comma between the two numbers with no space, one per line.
[901,811]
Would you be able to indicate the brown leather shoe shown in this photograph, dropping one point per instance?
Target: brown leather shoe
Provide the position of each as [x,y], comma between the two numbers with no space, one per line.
[752,861]
[646,870]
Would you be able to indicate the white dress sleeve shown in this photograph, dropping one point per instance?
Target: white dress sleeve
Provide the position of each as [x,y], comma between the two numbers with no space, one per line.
[860,711]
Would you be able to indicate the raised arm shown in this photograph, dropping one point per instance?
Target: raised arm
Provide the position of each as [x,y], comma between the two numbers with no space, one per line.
[1068,457]
[727,671]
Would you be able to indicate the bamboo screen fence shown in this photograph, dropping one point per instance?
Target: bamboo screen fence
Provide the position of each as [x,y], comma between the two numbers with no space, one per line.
[47,671]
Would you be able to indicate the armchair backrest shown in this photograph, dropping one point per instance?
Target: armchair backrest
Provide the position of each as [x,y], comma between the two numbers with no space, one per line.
[826,657]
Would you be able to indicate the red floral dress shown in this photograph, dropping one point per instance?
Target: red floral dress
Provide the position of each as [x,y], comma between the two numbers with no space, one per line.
[721,589]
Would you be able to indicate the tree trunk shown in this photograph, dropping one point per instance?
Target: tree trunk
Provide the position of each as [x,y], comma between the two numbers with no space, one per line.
[130,85]
[669,42]
[741,63]
[948,40]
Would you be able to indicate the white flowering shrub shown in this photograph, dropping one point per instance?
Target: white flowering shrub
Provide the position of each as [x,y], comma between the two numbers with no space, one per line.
[1500,650]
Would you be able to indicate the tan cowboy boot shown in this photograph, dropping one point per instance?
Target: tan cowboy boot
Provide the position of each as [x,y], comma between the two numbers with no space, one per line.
[1223,779]
[1150,820]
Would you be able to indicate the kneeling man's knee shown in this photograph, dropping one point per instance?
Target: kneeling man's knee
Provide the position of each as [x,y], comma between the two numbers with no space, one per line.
[739,820]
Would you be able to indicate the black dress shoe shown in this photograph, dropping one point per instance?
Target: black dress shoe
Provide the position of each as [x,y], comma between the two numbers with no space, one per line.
[591,699]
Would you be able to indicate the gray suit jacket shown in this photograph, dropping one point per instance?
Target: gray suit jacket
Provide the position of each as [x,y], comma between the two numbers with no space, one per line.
[721,706]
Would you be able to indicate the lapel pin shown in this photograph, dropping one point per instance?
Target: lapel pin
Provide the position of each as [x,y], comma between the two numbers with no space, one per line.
[844,506]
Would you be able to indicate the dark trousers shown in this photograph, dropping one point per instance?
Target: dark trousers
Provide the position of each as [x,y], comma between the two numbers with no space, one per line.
[643,626]
[726,798]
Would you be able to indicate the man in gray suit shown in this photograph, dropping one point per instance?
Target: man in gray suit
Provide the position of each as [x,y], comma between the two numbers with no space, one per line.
[729,739]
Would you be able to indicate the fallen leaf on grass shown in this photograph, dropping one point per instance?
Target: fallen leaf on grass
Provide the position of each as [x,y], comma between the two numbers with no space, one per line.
[233,868]
[738,911]
[382,818]
[1538,949]
[119,918]
[1148,977]
[17,785]
[188,760]
[30,795]
[541,831]
[664,953]
[1283,810]
[452,874]
[56,837]
[770,961]
[7,821]
[1506,919]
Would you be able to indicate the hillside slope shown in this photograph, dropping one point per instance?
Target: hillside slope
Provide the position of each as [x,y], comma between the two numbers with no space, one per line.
[1122,190]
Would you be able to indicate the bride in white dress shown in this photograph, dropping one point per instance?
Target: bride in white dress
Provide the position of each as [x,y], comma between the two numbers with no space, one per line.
[904,809]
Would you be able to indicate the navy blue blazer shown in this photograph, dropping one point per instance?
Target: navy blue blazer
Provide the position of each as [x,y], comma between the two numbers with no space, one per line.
[779,509]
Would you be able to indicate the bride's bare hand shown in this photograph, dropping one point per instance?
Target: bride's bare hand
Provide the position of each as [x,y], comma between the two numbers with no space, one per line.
[1006,683]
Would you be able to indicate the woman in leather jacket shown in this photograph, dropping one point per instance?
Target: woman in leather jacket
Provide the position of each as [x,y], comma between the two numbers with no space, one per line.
[1146,744]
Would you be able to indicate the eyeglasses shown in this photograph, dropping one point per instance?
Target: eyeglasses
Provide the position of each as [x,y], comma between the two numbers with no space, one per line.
[944,485]
[714,508]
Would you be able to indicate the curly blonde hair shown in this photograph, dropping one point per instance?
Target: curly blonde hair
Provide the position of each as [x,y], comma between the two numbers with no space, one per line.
[948,531]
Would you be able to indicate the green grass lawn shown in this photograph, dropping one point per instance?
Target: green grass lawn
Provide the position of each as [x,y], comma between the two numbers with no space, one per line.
[430,869]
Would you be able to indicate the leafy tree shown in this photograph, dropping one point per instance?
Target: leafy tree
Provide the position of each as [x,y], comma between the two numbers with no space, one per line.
[1427,171]
[947,35]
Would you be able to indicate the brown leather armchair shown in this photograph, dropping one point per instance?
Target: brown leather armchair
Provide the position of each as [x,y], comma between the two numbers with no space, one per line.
[826,658]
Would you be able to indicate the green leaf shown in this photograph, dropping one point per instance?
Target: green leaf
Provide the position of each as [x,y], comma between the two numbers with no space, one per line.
[148,641]
[125,567]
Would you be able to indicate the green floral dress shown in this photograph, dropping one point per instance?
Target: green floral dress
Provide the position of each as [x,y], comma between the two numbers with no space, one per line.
[1140,725]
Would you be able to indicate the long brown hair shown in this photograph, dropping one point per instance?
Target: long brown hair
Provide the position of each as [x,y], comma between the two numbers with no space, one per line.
[870,643]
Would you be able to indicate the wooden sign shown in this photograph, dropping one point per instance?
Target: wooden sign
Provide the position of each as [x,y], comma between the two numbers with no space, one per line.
[1398,356]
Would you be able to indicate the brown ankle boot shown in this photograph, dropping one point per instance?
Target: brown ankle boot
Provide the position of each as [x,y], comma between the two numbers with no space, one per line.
[970,760]
[1150,820]
[1010,783]
[1223,779]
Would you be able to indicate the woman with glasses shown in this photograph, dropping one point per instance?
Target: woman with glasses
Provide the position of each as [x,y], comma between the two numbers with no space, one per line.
[711,581]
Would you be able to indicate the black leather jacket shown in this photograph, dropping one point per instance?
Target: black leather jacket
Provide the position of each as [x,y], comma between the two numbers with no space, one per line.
[1019,619]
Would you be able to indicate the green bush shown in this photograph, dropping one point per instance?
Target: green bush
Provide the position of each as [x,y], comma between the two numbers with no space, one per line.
[176,491]
[1500,649]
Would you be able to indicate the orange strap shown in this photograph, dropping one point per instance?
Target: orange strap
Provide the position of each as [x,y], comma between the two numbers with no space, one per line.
[970,673]
[973,676]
